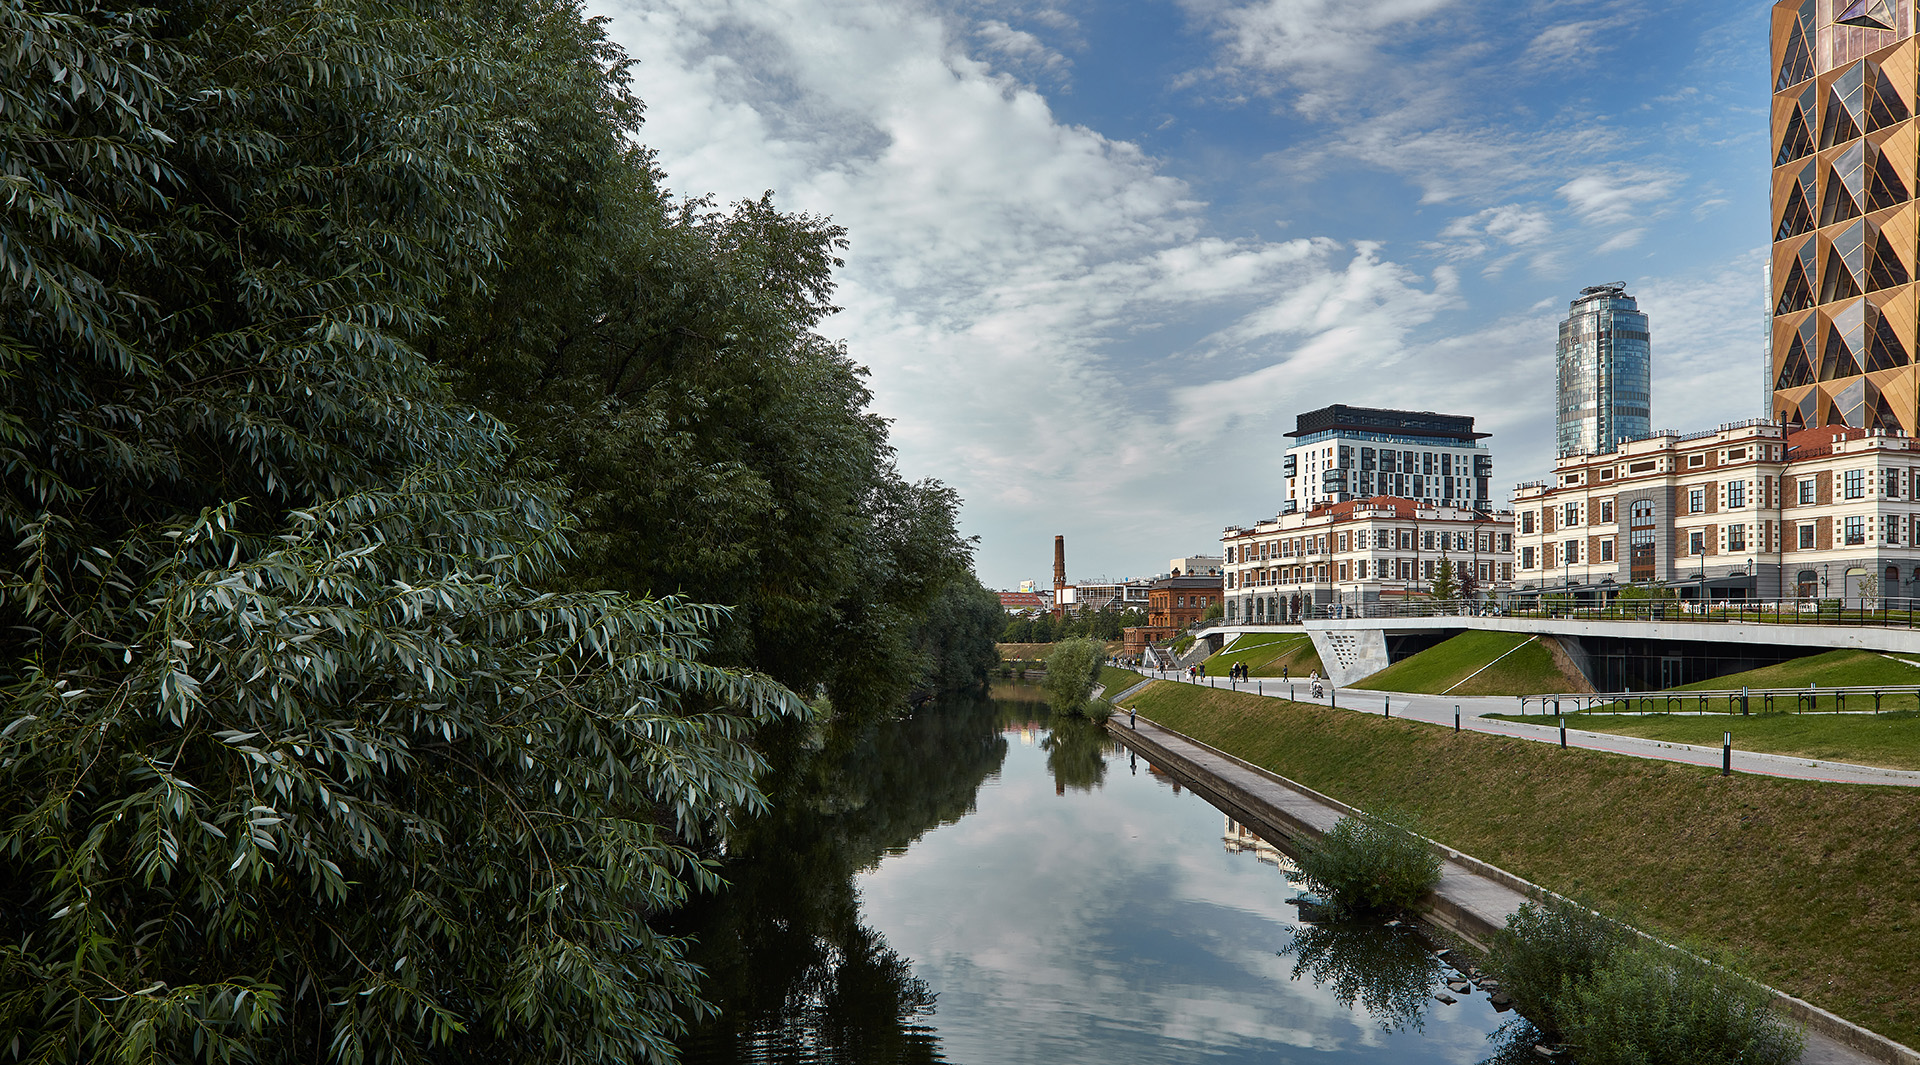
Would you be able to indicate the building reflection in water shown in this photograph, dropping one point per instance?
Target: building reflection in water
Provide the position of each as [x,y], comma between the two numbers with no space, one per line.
[1240,839]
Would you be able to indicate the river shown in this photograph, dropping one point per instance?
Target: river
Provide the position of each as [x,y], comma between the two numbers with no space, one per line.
[969,885]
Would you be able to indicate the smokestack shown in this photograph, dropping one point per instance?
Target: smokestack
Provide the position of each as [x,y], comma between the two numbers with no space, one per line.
[1059,575]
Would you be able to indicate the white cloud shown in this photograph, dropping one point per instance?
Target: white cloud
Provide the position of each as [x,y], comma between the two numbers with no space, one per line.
[1022,49]
[1051,319]
[1610,201]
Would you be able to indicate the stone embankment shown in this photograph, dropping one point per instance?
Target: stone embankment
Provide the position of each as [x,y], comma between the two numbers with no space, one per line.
[1473,899]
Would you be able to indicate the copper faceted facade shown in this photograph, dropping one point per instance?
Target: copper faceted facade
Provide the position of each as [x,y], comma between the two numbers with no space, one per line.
[1846,308]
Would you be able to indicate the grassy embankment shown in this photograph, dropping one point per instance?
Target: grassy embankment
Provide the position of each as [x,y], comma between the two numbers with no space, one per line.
[1267,655]
[1819,884]
[1118,680]
[1459,666]
[1891,741]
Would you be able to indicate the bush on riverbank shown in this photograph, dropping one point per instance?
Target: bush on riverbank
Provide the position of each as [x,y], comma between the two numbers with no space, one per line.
[1368,864]
[1071,671]
[1547,948]
[1654,1005]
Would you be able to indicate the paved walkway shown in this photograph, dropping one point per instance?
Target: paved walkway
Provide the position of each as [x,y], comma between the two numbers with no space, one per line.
[1471,893]
[1438,709]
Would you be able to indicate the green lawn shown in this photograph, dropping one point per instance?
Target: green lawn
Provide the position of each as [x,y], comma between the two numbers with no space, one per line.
[1118,680]
[1818,884]
[1827,670]
[1891,741]
[1264,654]
[1439,669]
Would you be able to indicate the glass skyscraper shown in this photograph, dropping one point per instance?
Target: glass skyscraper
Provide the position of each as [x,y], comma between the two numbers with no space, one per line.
[1603,366]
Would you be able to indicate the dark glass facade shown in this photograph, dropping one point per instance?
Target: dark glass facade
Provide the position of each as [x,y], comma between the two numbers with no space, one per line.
[1603,367]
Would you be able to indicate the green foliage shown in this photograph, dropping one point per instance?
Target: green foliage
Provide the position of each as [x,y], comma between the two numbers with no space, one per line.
[1072,669]
[664,356]
[1216,610]
[1643,593]
[955,639]
[310,752]
[1444,586]
[1367,864]
[1651,1005]
[1547,948]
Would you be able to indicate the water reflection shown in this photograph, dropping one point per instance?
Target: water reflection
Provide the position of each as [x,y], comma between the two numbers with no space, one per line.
[1390,970]
[1077,754]
[1059,913]
[797,973]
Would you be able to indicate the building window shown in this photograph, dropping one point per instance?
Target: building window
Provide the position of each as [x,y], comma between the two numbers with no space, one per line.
[1806,491]
[1856,529]
[1736,494]
[1362,569]
[1526,558]
[1606,511]
[1570,515]
[1806,537]
[1736,537]
[1506,543]
[1696,500]
[1571,552]
[1697,542]
[1856,484]
[1526,526]
[1606,550]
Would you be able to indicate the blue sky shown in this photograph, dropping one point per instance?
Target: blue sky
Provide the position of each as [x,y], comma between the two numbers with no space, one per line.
[1103,254]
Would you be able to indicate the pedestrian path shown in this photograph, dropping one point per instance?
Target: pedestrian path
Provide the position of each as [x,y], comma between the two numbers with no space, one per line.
[1472,899]
[1440,709]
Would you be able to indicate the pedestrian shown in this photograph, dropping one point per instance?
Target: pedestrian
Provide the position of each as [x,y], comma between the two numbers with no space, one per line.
[1285,672]
[1130,716]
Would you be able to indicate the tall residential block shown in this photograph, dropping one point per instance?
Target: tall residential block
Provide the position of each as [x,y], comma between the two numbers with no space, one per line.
[1343,453]
[1844,151]
[1603,372]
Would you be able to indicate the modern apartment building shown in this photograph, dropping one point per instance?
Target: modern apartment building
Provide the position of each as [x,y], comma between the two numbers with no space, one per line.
[1603,370]
[1360,551]
[1844,216]
[1343,453]
[1747,510]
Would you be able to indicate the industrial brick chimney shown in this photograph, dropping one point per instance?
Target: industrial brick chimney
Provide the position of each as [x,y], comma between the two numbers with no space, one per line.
[1059,576]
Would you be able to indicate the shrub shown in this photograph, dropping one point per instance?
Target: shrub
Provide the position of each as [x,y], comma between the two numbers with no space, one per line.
[1071,670]
[1369,864]
[1653,1005]
[1547,948]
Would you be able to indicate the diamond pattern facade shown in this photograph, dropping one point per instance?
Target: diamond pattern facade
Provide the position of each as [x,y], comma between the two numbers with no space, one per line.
[1846,307]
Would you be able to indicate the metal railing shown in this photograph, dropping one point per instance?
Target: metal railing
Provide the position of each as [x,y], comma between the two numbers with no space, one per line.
[1885,612]
[1732,701]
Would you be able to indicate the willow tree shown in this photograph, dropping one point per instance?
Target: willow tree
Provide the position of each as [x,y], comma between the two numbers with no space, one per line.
[305,755]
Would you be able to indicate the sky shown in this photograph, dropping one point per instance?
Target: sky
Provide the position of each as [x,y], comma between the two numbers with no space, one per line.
[1102,254]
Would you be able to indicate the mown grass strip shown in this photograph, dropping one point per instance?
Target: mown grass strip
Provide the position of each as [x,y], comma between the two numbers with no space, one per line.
[1827,670]
[1819,884]
[1255,650]
[1891,741]
[1526,671]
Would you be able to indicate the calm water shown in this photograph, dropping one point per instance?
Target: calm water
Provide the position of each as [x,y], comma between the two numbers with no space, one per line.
[969,886]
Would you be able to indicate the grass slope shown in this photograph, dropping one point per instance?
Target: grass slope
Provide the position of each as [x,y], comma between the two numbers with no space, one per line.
[1437,669]
[1255,650]
[1118,680]
[1828,669]
[1819,884]
[1892,741]
[1301,659]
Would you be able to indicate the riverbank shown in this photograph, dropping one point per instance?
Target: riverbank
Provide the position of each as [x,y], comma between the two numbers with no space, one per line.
[1818,884]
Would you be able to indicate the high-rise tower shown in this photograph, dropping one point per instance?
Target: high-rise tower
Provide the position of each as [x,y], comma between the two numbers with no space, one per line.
[1844,148]
[1603,372]
[1060,596]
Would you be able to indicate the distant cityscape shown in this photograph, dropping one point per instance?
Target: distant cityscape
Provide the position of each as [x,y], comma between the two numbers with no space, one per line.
[1814,499]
